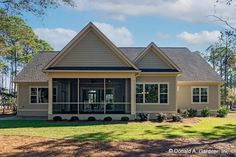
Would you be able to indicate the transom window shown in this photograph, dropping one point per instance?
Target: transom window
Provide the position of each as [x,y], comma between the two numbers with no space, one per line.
[152,93]
[199,94]
[38,95]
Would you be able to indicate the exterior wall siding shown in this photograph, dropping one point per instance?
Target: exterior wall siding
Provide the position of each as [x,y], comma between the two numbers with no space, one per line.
[156,108]
[23,98]
[91,52]
[184,99]
[152,60]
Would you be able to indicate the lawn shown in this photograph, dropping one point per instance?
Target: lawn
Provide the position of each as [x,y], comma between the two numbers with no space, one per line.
[121,131]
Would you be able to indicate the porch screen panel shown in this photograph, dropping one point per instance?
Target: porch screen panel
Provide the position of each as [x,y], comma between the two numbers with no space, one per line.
[65,96]
[118,96]
[91,99]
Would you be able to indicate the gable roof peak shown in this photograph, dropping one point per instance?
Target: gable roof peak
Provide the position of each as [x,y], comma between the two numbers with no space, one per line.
[89,27]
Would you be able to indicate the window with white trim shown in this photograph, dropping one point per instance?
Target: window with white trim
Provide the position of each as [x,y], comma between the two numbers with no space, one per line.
[152,93]
[38,95]
[199,94]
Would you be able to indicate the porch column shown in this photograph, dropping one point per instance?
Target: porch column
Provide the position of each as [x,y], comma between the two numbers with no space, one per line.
[133,95]
[50,96]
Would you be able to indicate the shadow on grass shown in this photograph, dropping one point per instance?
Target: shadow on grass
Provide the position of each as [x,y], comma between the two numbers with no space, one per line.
[7,124]
[68,147]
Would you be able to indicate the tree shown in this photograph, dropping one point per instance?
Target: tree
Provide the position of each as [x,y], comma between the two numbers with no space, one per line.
[222,57]
[227,2]
[36,7]
[18,44]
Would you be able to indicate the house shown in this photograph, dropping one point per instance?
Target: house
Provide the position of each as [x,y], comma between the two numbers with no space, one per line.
[90,76]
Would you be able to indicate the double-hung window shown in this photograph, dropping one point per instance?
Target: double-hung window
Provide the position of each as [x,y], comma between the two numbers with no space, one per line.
[38,95]
[152,93]
[200,95]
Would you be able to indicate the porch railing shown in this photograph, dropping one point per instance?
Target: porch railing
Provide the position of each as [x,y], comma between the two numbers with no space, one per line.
[91,108]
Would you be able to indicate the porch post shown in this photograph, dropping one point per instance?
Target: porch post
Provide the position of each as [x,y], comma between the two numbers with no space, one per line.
[133,95]
[50,96]
[78,99]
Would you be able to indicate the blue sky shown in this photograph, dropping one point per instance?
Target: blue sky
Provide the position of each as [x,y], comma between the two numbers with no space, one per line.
[184,23]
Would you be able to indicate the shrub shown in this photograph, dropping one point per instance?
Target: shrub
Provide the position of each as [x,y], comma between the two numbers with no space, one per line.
[205,112]
[91,118]
[124,118]
[161,117]
[223,111]
[107,119]
[179,111]
[143,116]
[184,114]
[74,118]
[57,118]
[192,112]
[176,118]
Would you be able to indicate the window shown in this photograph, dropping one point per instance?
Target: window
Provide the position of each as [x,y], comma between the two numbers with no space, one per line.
[200,95]
[139,93]
[163,93]
[152,93]
[38,95]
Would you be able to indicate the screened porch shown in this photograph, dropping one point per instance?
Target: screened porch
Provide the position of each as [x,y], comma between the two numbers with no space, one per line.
[91,96]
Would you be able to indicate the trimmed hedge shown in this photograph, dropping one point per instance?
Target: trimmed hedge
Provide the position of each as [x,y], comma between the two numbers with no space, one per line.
[124,118]
[107,119]
[74,118]
[91,118]
[57,118]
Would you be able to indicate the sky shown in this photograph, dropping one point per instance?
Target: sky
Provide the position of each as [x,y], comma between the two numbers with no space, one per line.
[168,23]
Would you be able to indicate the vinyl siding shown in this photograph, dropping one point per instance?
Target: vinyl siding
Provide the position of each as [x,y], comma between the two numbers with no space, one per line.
[184,97]
[152,60]
[24,106]
[91,51]
[155,108]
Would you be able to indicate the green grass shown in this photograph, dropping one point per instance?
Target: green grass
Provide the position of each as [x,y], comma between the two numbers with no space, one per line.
[118,131]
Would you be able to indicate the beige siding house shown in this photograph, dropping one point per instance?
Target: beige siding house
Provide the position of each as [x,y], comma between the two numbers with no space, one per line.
[90,76]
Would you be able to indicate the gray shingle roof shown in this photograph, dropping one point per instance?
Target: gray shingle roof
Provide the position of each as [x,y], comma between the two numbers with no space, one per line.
[32,72]
[192,65]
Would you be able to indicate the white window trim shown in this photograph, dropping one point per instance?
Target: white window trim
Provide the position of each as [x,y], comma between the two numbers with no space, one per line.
[30,87]
[207,87]
[158,83]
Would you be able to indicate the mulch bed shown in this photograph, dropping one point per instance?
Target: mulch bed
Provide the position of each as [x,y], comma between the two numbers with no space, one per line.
[24,146]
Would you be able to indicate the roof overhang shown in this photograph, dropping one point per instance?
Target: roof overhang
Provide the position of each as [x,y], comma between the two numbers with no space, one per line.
[189,83]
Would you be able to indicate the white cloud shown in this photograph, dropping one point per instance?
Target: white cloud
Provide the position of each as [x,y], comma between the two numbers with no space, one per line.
[199,38]
[120,36]
[162,35]
[188,10]
[57,37]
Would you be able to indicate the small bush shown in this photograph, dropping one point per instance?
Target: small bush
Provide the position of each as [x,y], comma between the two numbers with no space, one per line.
[107,119]
[184,114]
[143,116]
[223,111]
[57,118]
[205,112]
[176,118]
[192,112]
[179,111]
[124,118]
[161,117]
[74,118]
[91,118]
